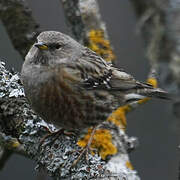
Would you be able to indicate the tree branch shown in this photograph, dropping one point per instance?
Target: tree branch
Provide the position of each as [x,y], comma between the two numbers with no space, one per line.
[19,23]
[85,24]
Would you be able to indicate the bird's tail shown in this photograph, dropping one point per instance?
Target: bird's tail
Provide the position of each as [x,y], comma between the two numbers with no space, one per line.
[139,94]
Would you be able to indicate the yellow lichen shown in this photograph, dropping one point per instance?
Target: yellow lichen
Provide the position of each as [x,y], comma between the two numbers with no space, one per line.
[12,144]
[142,101]
[129,165]
[102,139]
[100,45]
[118,117]
[102,142]
[15,144]
[154,83]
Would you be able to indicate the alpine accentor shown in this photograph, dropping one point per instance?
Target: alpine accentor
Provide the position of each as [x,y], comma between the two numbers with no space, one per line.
[72,87]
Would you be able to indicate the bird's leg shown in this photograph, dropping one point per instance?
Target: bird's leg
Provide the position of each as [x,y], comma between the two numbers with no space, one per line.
[86,148]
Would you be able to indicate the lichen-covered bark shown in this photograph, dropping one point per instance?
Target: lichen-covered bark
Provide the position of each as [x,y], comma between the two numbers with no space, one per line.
[85,24]
[19,23]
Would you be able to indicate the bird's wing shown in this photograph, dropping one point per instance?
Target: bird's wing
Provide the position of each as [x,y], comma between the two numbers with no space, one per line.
[123,81]
[97,74]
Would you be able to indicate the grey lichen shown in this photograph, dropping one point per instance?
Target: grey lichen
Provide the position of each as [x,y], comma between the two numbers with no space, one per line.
[56,156]
[9,83]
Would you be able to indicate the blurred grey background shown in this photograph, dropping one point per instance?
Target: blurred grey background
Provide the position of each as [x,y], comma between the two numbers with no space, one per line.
[153,123]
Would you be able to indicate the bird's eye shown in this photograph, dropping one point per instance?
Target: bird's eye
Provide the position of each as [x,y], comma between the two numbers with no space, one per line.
[57,46]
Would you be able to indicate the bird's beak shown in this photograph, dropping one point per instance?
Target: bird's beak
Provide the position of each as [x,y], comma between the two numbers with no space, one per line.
[41,46]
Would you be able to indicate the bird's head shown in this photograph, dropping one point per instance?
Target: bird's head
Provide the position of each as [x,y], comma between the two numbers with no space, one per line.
[52,46]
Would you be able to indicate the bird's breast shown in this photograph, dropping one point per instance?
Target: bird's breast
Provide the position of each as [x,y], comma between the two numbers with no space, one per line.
[61,104]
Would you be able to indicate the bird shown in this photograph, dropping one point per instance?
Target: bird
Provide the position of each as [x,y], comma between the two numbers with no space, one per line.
[72,87]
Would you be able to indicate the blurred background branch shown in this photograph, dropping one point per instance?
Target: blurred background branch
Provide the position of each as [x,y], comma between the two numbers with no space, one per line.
[159,25]
[86,26]
[19,23]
